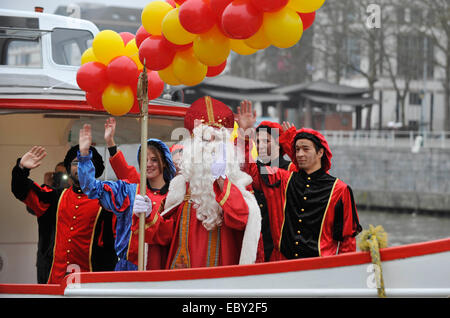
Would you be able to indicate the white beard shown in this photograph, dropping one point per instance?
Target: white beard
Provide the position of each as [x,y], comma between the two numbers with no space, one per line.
[195,169]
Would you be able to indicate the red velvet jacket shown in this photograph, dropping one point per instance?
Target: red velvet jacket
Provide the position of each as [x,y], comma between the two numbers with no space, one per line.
[310,215]
[82,232]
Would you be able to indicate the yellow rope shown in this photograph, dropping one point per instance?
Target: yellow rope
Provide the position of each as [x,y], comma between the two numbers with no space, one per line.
[372,240]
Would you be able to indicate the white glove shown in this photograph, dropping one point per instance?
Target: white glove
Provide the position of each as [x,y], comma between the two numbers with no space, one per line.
[142,204]
[219,165]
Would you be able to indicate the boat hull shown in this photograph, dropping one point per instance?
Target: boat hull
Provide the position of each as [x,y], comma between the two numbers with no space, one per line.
[416,270]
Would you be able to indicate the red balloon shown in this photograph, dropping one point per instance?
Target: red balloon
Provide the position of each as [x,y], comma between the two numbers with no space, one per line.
[172,3]
[217,6]
[126,37]
[157,55]
[135,108]
[216,70]
[241,20]
[180,2]
[196,16]
[94,99]
[141,35]
[91,77]
[269,5]
[174,46]
[155,85]
[122,70]
[307,19]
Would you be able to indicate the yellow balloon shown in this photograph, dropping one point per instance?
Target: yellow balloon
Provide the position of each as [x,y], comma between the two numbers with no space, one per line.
[258,41]
[132,51]
[188,69]
[107,45]
[88,56]
[153,14]
[241,48]
[212,47]
[283,28]
[168,77]
[117,99]
[305,6]
[174,31]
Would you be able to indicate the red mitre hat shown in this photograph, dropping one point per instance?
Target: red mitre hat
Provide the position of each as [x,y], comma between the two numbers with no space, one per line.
[209,111]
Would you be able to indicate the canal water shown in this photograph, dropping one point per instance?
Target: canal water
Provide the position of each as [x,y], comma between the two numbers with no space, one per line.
[407,228]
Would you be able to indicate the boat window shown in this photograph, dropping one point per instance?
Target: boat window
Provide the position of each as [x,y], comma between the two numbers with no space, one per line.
[68,45]
[21,52]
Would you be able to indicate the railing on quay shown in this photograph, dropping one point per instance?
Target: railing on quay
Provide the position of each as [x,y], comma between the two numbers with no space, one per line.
[389,138]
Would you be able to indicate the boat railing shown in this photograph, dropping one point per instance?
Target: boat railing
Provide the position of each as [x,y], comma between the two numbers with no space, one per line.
[389,138]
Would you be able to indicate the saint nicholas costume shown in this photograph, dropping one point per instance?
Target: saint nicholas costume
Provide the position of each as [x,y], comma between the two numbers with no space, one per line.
[235,241]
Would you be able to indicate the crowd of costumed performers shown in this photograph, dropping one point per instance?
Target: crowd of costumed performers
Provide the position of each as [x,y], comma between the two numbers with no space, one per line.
[215,204]
[229,193]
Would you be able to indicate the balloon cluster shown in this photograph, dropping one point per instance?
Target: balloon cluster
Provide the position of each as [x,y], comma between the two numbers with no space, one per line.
[109,73]
[184,41]
[188,40]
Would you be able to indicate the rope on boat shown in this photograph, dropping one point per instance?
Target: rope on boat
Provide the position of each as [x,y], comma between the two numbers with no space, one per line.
[372,240]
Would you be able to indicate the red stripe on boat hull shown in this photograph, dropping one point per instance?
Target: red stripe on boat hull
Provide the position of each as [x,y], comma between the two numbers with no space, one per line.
[349,259]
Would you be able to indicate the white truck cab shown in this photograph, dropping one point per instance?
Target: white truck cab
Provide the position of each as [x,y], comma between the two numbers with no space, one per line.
[43,44]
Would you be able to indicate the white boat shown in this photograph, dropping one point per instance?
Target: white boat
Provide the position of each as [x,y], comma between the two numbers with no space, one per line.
[415,270]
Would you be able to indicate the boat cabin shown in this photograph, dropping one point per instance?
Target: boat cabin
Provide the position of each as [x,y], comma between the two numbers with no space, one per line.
[41,104]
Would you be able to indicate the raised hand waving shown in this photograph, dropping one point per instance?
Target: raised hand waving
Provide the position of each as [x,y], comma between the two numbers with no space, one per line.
[33,158]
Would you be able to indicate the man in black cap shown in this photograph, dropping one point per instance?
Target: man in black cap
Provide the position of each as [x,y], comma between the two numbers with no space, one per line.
[82,234]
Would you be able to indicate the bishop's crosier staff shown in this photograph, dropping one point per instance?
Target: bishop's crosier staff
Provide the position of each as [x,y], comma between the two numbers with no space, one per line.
[142,97]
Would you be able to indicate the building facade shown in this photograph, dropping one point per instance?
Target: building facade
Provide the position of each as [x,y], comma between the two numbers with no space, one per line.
[399,49]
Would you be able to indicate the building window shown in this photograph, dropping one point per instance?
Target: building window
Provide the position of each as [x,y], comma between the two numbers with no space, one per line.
[416,16]
[400,11]
[353,57]
[415,98]
[410,56]
[413,125]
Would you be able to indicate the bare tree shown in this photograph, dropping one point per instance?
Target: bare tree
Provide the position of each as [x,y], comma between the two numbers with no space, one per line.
[344,38]
[420,31]
[330,42]
[437,24]
[281,66]
[398,58]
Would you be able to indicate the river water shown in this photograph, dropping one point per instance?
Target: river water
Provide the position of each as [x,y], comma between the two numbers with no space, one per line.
[407,228]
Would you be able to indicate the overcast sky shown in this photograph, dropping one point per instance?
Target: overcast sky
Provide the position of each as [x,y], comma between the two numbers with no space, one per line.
[51,5]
